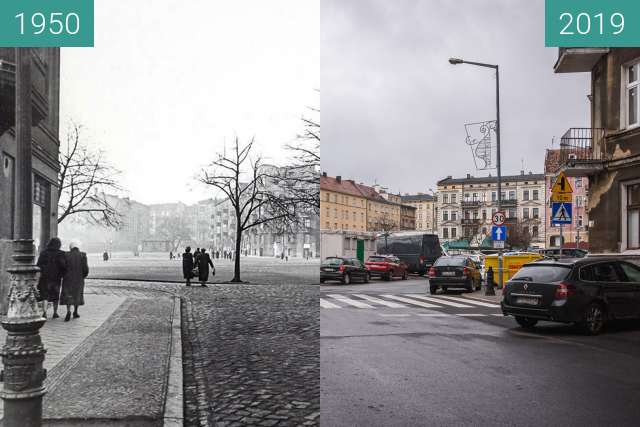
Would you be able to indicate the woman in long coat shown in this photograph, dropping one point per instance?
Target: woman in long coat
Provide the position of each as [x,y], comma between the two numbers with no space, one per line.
[204,261]
[187,265]
[52,265]
[73,280]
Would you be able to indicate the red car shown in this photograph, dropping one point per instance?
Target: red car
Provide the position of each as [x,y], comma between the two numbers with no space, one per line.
[386,266]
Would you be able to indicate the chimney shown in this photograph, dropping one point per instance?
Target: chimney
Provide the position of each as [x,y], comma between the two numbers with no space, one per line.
[339,179]
[324,174]
[468,176]
[449,176]
[521,172]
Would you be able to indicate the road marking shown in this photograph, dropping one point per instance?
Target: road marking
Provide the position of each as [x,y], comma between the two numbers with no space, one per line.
[472,301]
[326,304]
[410,301]
[498,315]
[380,301]
[433,314]
[439,301]
[394,315]
[349,301]
[471,315]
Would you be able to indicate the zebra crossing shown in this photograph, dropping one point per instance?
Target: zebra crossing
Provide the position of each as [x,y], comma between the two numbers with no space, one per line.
[452,305]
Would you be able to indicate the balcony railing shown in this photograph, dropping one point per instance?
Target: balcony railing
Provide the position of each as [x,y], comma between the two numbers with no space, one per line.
[508,202]
[582,145]
[471,221]
[470,203]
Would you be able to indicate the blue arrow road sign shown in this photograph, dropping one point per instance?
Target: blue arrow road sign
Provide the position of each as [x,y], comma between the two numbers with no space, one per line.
[561,213]
[499,232]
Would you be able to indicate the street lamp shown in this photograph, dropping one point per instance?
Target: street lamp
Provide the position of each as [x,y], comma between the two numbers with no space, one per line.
[456,61]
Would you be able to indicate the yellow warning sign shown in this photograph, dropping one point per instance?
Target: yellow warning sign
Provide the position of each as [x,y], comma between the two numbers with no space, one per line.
[561,186]
[561,197]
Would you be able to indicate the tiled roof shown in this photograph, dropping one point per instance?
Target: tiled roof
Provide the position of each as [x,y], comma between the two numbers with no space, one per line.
[417,198]
[344,186]
[552,161]
[492,179]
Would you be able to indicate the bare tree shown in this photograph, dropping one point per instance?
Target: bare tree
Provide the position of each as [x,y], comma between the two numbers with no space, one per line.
[85,180]
[386,224]
[518,236]
[175,230]
[244,180]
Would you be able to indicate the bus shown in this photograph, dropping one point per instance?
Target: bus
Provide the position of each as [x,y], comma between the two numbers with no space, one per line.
[418,250]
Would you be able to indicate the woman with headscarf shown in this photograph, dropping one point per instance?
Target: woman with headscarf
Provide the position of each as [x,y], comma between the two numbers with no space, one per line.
[187,265]
[52,265]
[204,261]
[73,280]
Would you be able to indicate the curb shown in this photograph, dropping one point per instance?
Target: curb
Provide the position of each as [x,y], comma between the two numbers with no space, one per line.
[173,403]
[483,299]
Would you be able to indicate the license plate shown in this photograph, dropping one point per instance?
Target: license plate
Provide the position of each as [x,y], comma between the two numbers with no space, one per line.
[448,273]
[527,300]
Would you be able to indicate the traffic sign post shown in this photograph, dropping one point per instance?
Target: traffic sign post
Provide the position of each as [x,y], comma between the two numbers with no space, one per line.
[499,233]
[561,206]
[561,213]
[498,218]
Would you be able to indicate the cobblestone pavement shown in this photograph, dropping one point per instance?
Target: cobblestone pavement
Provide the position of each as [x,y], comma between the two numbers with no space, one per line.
[253,355]
[157,267]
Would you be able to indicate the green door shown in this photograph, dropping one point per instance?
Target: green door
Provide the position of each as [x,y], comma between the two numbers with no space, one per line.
[360,250]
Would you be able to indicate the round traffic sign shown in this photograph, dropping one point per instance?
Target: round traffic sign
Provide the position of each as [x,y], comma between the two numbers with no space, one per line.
[498,218]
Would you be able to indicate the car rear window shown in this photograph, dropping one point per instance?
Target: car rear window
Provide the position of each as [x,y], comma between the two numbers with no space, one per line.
[542,273]
[333,261]
[377,259]
[455,261]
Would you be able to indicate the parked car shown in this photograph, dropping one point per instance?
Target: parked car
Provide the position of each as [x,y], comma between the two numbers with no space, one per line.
[454,272]
[566,252]
[344,270]
[419,250]
[585,291]
[386,266]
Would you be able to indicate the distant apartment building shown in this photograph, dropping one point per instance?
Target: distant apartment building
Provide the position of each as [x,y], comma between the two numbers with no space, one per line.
[465,206]
[607,150]
[342,204]
[574,234]
[425,211]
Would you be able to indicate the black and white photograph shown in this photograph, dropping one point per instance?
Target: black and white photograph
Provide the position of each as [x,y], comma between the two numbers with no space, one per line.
[476,187]
[159,234]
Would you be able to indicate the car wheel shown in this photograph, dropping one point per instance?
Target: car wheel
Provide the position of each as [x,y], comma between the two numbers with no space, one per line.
[526,322]
[367,278]
[594,319]
[346,280]
[404,275]
[388,276]
[433,289]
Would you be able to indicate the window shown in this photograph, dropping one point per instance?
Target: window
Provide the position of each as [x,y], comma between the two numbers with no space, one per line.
[467,197]
[579,201]
[445,233]
[535,195]
[445,198]
[631,94]
[578,182]
[328,225]
[445,215]
[534,232]
[475,197]
[494,196]
[631,271]
[525,230]
[484,214]
[327,197]
[536,213]
[633,216]
[453,233]
[454,198]
[335,213]
[512,195]
[454,215]
[512,213]
[579,220]
[605,272]
[328,212]
[525,195]
[525,213]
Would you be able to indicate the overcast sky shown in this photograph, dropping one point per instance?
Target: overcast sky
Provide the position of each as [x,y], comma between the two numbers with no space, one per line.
[394,109]
[168,81]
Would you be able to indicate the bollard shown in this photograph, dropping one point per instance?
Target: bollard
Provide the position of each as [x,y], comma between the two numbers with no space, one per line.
[488,290]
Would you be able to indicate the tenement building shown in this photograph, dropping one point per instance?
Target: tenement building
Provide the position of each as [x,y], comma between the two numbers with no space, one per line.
[342,204]
[425,211]
[607,149]
[465,207]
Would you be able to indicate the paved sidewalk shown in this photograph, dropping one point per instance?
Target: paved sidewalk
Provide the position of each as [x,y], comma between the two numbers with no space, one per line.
[112,364]
[479,295]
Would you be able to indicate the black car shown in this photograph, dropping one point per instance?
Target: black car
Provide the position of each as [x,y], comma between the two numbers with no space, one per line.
[585,291]
[566,252]
[454,272]
[344,270]
[418,250]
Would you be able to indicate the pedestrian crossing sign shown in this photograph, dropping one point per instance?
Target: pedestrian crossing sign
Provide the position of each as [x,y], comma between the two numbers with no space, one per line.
[561,213]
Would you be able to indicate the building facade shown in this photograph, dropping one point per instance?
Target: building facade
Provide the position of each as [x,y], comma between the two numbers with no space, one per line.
[425,211]
[574,234]
[342,205]
[608,150]
[465,206]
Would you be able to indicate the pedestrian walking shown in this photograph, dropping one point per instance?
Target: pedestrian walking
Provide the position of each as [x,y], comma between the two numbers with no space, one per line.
[52,265]
[187,265]
[170,254]
[77,269]
[196,255]
[105,256]
[204,261]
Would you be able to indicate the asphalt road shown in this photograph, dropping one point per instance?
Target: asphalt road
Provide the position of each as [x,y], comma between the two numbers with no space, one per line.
[385,365]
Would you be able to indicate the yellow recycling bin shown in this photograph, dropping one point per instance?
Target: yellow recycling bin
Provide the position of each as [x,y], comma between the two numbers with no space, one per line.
[511,264]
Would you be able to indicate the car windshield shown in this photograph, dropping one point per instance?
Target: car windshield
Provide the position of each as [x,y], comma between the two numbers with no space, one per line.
[333,261]
[378,259]
[447,261]
[542,273]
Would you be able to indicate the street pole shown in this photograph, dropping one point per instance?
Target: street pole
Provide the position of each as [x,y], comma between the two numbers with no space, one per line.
[23,352]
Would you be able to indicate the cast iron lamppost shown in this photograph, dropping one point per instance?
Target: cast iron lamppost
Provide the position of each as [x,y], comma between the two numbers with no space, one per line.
[456,61]
[23,352]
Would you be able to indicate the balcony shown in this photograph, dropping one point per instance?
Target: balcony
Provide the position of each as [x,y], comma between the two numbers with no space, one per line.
[470,204]
[508,203]
[578,59]
[582,151]
[471,221]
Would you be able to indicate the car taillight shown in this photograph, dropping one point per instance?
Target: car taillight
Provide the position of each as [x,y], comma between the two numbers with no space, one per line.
[564,290]
[341,268]
[466,271]
[422,259]
[432,272]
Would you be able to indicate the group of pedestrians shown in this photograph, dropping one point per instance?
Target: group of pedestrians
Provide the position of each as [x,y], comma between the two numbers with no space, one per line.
[62,277]
[197,265]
